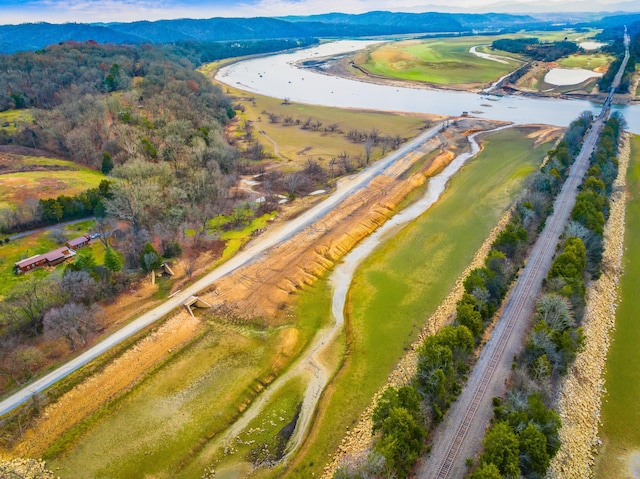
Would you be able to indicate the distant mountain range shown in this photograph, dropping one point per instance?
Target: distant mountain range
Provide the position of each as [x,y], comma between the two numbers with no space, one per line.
[33,36]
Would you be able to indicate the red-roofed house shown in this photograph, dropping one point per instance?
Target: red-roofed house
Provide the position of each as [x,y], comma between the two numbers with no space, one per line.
[57,256]
[80,242]
[51,258]
[28,264]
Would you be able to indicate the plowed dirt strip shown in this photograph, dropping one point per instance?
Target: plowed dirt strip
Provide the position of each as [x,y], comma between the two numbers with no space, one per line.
[581,394]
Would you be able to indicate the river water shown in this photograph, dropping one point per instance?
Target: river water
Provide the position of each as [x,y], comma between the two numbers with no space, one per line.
[278,76]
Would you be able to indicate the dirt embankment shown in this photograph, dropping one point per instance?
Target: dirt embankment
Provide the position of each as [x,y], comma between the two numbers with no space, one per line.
[260,289]
[116,378]
[581,393]
[264,288]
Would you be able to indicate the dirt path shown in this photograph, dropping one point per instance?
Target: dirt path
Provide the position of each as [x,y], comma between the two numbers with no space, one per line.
[460,434]
[276,149]
[48,228]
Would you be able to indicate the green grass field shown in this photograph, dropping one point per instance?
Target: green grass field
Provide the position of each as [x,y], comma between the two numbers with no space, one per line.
[439,61]
[589,61]
[50,178]
[161,426]
[15,118]
[621,408]
[403,282]
[448,61]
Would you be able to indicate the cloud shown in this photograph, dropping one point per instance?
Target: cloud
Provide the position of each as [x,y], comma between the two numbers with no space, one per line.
[60,11]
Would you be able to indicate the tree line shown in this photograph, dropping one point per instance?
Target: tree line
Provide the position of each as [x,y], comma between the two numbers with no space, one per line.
[523,436]
[404,417]
[533,48]
[52,211]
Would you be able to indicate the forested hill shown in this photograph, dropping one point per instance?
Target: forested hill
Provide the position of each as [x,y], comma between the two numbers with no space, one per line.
[33,36]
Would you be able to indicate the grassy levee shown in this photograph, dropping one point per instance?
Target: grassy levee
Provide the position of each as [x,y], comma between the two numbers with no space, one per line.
[402,283]
[442,61]
[620,454]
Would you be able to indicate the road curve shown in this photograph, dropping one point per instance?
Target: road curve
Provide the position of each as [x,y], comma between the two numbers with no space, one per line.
[345,188]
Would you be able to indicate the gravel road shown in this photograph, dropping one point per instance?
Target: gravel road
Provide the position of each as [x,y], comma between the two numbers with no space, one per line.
[260,246]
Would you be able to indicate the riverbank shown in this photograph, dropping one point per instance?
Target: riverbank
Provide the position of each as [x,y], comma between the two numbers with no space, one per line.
[619,454]
[396,289]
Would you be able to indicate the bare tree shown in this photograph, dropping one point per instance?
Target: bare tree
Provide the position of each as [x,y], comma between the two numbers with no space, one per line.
[368,149]
[79,287]
[58,235]
[273,118]
[73,321]
[256,152]
[190,260]
[104,227]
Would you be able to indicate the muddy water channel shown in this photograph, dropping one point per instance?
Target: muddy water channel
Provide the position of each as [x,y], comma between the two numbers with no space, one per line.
[280,76]
[311,365]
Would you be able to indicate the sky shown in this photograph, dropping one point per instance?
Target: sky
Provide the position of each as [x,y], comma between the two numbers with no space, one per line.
[89,11]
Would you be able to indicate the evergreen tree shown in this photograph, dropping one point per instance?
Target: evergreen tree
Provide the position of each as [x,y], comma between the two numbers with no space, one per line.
[112,260]
[107,163]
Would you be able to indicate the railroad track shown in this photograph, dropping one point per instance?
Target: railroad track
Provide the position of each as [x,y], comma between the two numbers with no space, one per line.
[458,437]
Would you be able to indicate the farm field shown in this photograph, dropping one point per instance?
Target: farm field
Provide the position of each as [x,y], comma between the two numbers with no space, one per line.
[620,453]
[292,146]
[402,283]
[592,61]
[448,62]
[441,62]
[29,178]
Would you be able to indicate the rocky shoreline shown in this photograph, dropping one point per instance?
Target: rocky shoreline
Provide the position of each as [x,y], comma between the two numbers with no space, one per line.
[581,392]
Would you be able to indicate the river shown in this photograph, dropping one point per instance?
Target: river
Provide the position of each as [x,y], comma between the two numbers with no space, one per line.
[278,76]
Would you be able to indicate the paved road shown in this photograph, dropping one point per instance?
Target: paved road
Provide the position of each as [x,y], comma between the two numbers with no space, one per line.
[346,187]
[46,228]
[459,435]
